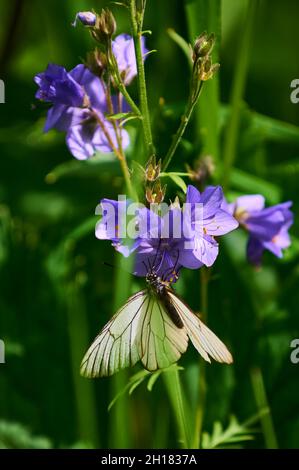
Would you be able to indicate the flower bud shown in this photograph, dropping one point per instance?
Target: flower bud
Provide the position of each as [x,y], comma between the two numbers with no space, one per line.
[203,45]
[156,193]
[207,70]
[96,62]
[153,169]
[87,18]
[105,26]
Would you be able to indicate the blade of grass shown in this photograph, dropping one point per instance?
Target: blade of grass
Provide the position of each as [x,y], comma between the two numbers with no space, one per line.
[84,389]
[206,16]
[174,389]
[262,403]
[237,93]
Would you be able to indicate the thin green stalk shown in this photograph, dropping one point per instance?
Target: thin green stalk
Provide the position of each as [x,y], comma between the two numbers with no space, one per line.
[202,386]
[84,389]
[128,98]
[120,84]
[237,93]
[203,15]
[181,130]
[120,155]
[262,403]
[174,389]
[137,25]
[120,435]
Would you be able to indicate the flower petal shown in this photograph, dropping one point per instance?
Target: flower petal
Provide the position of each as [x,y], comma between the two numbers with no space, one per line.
[205,249]
[253,202]
[79,141]
[220,224]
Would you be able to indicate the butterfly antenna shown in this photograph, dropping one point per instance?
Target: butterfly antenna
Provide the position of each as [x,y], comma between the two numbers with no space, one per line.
[110,265]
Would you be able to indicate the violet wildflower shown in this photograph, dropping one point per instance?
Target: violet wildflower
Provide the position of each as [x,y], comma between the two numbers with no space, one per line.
[160,242]
[179,238]
[79,106]
[211,221]
[87,18]
[56,85]
[124,52]
[267,227]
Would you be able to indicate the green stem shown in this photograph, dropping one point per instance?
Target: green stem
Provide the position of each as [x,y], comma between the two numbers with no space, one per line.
[202,386]
[114,71]
[174,389]
[137,25]
[122,88]
[84,389]
[181,130]
[262,403]
[120,155]
[237,93]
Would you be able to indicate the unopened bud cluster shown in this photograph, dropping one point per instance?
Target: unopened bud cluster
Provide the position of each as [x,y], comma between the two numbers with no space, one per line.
[203,67]
[105,26]
[154,191]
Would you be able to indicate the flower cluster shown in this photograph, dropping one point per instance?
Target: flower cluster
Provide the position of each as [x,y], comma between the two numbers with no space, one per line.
[179,237]
[82,100]
[87,103]
[267,227]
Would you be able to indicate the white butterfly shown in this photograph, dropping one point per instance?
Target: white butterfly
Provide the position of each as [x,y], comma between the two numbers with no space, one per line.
[154,326]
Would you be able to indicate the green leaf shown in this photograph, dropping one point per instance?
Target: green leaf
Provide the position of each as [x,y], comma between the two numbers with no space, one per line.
[133,383]
[252,184]
[182,43]
[176,179]
[276,130]
[269,128]
[116,117]
[152,380]
[233,434]
[285,169]
[94,166]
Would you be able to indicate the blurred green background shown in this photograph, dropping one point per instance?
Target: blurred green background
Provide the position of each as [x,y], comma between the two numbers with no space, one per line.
[55,293]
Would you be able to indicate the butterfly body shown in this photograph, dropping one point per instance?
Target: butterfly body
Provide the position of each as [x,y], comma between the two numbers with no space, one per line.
[161,289]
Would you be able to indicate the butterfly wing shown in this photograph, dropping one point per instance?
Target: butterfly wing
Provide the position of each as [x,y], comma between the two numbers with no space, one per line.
[117,345]
[162,343]
[141,329]
[204,340]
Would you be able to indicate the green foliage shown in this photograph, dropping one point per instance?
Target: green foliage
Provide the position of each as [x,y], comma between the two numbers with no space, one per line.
[16,436]
[233,436]
[138,378]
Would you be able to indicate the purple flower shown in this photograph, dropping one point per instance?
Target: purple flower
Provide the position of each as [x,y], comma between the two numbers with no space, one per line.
[168,247]
[157,242]
[124,52]
[178,238]
[83,140]
[208,220]
[58,86]
[87,18]
[267,227]
[79,106]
